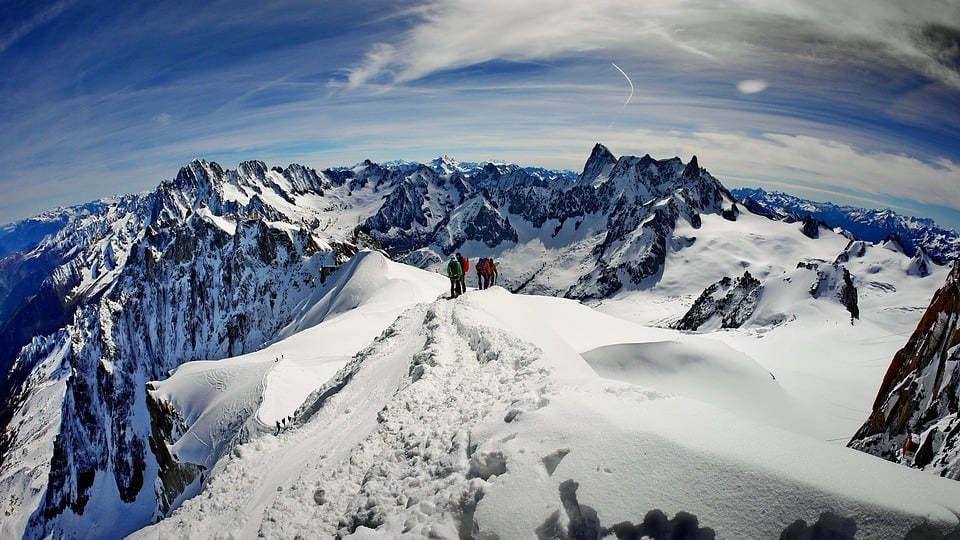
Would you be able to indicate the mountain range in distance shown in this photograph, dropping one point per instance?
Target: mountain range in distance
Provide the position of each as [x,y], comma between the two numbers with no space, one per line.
[155,346]
[942,245]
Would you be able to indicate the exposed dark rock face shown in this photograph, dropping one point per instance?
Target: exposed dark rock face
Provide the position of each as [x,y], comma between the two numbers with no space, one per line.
[835,281]
[848,295]
[919,393]
[811,227]
[598,165]
[855,249]
[920,264]
[732,302]
[489,227]
[730,214]
[174,477]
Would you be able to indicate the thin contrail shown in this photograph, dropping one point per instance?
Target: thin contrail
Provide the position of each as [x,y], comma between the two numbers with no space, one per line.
[628,97]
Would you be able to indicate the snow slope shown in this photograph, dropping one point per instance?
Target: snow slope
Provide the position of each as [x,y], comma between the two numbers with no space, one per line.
[259,389]
[830,364]
[481,417]
[707,370]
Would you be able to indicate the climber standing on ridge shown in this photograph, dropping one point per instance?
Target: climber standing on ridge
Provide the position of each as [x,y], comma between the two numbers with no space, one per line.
[483,279]
[455,273]
[487,272]
[464,268]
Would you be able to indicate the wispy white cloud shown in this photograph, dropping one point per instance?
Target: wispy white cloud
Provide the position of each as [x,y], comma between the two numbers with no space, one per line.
[751,86]
[456,33]
[386,80]
[25,28]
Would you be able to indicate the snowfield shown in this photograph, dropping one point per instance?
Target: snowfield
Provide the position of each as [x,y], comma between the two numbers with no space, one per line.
[507,416]
[831,365]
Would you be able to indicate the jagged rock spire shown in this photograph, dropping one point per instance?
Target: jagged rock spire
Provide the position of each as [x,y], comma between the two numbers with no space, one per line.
[599,164]
[692,170]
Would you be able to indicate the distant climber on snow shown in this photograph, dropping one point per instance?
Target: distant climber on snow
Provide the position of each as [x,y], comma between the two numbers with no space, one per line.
[455,273]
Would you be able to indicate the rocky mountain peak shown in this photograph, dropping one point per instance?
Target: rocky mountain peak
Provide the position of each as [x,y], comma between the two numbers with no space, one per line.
[445,165]
[254,169]
[692,170]
[198,175]
[894,243]
[728,303]
[304,179]
[598,165]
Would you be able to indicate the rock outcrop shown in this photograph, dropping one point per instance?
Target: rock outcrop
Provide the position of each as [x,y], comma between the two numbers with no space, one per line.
[915,416]
[726,304]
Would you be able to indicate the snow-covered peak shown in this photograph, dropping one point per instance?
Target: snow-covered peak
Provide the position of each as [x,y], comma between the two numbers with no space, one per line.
[598,166]
[25,234]
[367,279]
[400,164]
[894,244]
[920,265]
[446,165]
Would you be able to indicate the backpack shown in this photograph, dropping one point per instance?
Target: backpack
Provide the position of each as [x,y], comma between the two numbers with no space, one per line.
[483,267]
[453,268]
[464,264]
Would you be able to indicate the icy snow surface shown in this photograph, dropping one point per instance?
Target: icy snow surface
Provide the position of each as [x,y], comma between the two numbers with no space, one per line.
[465,417]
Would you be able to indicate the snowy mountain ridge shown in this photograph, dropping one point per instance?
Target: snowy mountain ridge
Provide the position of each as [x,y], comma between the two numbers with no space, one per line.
[219,263]
[182,273]
[942,245]
[475,418]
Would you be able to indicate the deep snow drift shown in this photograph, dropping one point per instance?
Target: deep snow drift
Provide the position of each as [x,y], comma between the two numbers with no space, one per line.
[499,415]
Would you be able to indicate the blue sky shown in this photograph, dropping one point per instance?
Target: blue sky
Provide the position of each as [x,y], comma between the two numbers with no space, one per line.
[853,101]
